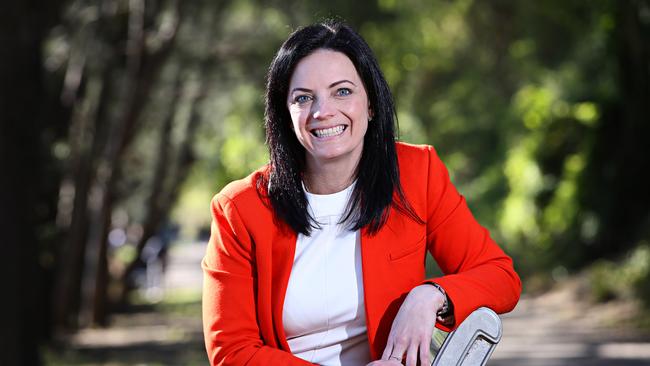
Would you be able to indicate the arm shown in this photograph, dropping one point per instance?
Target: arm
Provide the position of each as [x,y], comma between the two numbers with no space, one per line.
[230,329]
[477,272]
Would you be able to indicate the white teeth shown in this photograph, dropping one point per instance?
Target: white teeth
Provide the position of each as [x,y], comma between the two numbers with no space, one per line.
[327,132]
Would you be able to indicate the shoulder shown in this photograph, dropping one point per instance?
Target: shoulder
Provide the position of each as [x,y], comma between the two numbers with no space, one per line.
[413,157]
[411,149]
[421,164]
[242,193]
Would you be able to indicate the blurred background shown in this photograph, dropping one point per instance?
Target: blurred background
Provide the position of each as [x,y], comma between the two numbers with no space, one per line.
[121,118]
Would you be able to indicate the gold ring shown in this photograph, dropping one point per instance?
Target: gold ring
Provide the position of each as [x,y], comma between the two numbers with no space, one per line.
[395,358]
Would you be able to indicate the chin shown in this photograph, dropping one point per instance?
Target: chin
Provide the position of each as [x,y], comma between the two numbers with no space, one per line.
[333,155]
[328,156]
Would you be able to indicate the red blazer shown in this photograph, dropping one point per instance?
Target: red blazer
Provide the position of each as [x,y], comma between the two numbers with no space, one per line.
[249,259]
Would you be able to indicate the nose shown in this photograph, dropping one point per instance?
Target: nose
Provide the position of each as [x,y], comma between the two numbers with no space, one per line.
[322,110]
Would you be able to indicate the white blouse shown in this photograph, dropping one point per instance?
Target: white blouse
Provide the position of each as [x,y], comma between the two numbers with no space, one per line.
[324,316]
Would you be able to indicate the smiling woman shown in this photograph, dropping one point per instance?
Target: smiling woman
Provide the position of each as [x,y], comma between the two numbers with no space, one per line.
[319,256]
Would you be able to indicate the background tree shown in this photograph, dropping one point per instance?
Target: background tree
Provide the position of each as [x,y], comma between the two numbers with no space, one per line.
[30,119]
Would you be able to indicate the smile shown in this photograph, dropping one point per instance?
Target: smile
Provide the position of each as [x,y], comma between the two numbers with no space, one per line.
[328,132]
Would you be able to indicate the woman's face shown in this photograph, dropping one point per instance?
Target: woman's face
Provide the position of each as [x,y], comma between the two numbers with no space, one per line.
[329,108]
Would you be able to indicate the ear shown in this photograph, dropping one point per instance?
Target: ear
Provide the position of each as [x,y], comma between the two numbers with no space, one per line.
[371,114]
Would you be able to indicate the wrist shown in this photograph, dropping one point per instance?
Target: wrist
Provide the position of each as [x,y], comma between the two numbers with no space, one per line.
[444,309]
[445,314]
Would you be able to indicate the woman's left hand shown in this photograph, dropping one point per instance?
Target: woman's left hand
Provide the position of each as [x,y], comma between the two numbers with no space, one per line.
[412,328]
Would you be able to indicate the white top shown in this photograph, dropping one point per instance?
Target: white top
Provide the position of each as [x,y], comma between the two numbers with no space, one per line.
[324,316]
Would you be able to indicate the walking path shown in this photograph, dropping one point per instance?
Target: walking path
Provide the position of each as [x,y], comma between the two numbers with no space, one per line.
[549,330]
[168,333]
[559,329]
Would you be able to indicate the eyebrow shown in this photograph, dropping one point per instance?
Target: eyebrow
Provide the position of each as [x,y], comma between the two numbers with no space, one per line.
[330,86]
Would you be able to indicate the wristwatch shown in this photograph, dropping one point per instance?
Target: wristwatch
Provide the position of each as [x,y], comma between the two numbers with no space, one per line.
[445,310]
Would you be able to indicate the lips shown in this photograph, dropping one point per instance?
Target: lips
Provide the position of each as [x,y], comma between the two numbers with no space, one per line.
[328,132]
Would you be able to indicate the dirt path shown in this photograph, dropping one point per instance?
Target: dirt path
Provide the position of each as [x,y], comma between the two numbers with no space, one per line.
[550,330]
[558,329]
[167,333]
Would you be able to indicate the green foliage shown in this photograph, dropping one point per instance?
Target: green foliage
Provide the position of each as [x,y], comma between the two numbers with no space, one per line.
[519,99]
[515,97]
[627,279]
[538,109]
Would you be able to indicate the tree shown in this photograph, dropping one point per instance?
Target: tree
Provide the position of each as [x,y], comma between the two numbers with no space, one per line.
[30,119]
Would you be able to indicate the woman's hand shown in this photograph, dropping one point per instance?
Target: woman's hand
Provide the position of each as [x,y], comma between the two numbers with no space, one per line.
[412,328]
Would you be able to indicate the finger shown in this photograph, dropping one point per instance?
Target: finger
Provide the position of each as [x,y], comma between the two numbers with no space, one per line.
[425,352]
[388,349]
[399,347]
[412,355]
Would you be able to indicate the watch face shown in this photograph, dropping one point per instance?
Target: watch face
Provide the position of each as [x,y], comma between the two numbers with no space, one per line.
[443,310]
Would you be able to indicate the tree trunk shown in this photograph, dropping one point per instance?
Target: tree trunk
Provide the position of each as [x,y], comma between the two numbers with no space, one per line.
[615,187]
[143,68]
[85,138]
[163,195]
[23,100]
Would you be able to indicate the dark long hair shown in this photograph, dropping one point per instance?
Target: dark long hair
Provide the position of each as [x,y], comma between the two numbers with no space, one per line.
[377,174]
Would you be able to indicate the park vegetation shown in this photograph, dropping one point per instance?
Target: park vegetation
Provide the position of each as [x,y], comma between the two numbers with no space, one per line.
[129,115]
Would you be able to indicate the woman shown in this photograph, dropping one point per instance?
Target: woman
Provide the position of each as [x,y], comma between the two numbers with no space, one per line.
[318,257]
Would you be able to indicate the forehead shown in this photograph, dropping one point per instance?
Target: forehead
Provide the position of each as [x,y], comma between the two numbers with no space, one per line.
[324,66]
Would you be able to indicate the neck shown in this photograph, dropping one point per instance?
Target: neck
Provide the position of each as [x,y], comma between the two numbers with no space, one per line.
[329,177]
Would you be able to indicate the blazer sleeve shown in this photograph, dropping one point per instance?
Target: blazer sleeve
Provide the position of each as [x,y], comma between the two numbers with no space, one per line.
[476,271]
[232,336]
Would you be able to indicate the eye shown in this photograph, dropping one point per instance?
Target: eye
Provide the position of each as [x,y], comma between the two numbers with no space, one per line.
[341,92]
[301,99]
